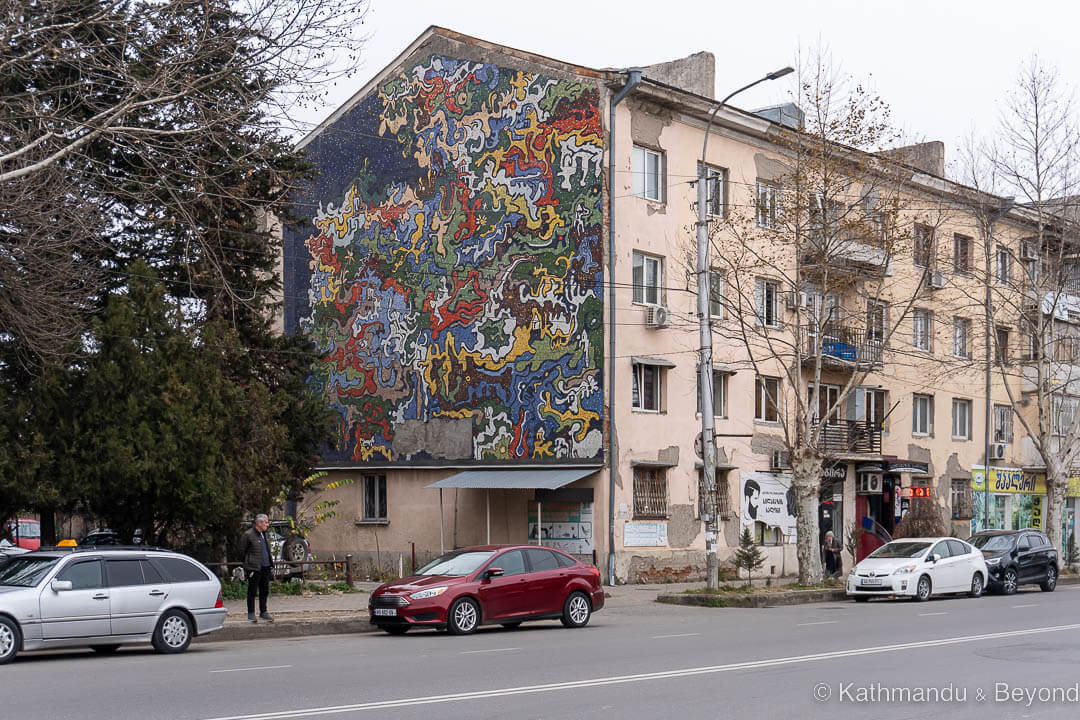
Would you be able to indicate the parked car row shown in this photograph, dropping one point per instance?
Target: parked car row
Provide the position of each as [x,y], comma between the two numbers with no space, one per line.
[996,560]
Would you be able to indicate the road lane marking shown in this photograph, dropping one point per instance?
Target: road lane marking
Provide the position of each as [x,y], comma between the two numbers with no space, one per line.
[641,677]
[473,652]
[1028,605]
[929,614]
[661,637]
[822,622]
[262,667]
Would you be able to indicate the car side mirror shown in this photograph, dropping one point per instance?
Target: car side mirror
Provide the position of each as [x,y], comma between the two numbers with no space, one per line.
[60,585]
[494,572]
[934,557]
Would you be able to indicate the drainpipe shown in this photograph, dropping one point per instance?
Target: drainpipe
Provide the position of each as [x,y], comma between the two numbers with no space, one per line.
[633,79]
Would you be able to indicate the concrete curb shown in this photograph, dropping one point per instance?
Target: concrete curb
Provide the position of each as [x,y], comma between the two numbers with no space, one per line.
[291,627]
[774,599]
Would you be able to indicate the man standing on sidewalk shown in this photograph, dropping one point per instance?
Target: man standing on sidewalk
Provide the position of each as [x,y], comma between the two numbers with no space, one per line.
[255,547]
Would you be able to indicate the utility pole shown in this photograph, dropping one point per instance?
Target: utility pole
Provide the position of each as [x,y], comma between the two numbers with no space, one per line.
[705,369]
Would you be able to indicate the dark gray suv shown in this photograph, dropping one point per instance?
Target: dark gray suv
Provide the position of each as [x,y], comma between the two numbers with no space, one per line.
[1017,557]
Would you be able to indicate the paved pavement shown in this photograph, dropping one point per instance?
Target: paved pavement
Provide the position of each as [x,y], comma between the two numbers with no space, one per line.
[955,658]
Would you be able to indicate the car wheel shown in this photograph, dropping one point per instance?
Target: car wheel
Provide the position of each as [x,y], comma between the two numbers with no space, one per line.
[1050,582]
[511,625]
[464,616]
[576,610]
[173,633]
[862,598]
[396,629]
[105,649]
[295,550]
[924,589]
[1008,581]
[976,586]
[10,640]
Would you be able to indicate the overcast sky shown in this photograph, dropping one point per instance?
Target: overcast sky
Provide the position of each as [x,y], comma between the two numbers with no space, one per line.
[943,66]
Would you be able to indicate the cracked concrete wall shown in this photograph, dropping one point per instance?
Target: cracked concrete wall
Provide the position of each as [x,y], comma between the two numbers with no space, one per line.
[437,437]
[683,526]
[696,73]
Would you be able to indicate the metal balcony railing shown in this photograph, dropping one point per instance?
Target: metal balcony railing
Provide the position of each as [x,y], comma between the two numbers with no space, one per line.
[851,437]
[843,344]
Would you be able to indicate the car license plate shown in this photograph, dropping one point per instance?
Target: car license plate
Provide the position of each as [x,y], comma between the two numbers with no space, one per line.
[871,581]
[392,612]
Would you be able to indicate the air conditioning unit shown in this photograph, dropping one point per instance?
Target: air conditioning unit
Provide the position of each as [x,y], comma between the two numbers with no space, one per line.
[936,279]
[997,451]
[780,460]
[868,483]
[657,316]
[1028,251]
[797,300]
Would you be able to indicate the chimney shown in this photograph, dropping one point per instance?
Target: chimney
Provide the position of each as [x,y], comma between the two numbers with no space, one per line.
[695,73]
[928,157]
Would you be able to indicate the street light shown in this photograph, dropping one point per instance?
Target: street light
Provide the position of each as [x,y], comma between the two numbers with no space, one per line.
[705,371]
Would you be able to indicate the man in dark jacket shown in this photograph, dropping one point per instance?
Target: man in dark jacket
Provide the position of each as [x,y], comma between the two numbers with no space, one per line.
[255,547]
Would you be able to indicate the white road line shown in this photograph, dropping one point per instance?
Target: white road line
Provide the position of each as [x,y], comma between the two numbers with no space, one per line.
[661,637]
[1028,605]
[474,652]
[641,677]
[263,667]
[822,622]
[929,614]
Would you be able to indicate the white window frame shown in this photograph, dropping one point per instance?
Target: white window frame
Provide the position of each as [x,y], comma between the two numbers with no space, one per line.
[827,397]
[761,398]
[720,394]
[928,231]
[877,314]
[1062,414]
[962,338]
[925,413]
[1003,266]
[715,190]
[967,265]
[643,290]
[372,515]
[766,197]
[638,399]
[717,283]
[767,302]
[647,164]
[1003,424]
[961,419]
[922,325]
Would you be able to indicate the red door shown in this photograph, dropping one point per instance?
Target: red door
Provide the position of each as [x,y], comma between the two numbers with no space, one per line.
[505,596]
[868,541]
[546,582]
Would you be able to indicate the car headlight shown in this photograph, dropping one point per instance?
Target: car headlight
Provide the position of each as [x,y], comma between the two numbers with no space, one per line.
[993,561]
[429,593]
[904,570]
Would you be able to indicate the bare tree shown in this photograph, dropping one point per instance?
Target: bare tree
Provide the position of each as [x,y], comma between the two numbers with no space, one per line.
[810,290]
[133,127]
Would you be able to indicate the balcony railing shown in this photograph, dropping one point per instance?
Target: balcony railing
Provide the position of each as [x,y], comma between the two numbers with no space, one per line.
[839,344]
[840,437]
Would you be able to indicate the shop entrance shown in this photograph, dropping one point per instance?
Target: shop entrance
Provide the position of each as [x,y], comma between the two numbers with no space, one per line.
[875,509]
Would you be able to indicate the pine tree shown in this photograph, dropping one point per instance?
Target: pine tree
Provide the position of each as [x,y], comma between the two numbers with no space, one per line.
[748,556]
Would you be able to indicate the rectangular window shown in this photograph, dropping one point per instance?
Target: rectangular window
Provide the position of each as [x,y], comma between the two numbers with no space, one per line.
[766,398]
[648,171]
[647,387]
[870,407]
[1062,414]
[723,500]
[921,325]
[1001,346]
[923,245]
[1003,267]
[922,414]
[827,397]
[1003,424]
[875,321]
[963,249]
[961,499]
[962,337]
[961,419]
[766,296]
[719,391]
[650,492]
[767,197]
[374,498]
[715,190]
[716,294]
[648,279]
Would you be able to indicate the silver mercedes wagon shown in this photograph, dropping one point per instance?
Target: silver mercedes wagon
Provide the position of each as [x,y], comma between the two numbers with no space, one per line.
[104,598]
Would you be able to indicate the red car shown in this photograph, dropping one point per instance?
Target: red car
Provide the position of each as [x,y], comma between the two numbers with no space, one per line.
[505,584]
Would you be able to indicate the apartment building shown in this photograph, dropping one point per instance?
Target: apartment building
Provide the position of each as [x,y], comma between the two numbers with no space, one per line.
[497,261]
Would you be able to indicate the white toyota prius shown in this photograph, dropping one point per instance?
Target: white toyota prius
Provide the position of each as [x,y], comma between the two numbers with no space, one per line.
[919,568]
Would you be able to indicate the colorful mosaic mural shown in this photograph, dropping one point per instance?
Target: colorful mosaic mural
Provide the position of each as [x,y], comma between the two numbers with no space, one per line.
[453,276]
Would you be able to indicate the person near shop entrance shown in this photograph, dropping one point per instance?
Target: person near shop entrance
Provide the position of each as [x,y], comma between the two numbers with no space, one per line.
[830,554]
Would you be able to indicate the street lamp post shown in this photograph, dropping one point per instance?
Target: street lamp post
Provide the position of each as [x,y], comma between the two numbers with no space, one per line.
[705,370]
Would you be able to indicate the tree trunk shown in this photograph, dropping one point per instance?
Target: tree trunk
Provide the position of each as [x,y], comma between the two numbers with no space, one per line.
[806,479]
[48,525]
[1057,482]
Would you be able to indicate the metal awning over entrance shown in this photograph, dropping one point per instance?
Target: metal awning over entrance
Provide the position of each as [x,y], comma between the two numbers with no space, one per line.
[516,479]
[508,479]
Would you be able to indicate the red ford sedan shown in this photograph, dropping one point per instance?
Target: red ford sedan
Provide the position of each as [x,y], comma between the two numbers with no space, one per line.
[505,584]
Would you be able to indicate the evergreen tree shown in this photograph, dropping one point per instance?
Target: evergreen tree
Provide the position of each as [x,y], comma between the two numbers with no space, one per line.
[748,556]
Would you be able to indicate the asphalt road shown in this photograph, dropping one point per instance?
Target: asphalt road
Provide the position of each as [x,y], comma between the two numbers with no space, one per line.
[995,657]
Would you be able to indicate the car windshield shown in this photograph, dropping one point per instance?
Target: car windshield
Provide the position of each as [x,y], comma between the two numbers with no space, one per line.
[900,550]
[457,563]
[993,542]
[26,571]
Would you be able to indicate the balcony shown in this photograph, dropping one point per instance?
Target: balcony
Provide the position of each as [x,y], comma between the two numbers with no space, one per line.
[842,347]
[850,437]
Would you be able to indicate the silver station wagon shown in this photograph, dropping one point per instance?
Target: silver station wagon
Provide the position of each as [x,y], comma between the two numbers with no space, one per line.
[104,598]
